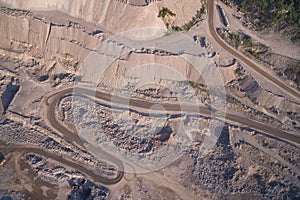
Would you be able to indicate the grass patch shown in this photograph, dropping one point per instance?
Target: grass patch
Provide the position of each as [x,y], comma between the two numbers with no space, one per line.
[247,41]
[166,12]
[235,39]
[200,86]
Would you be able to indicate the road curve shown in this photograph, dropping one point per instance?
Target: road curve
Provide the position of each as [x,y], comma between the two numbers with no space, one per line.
[137,104]
[243,58]
[97,178]
[71,136]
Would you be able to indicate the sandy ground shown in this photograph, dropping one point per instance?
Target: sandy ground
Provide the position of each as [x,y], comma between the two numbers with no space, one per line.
[201,29]
[30,92]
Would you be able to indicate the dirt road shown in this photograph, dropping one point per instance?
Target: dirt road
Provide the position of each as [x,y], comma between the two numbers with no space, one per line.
[95,177]
[239,56]
[138,104]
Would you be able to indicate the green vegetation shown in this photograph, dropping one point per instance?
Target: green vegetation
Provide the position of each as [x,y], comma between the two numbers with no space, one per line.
[176,28]
[247,41]
[198,17]
[238,71]
[166,12]
[198,85]
[235,38]
[146,94]
[254,54]
[167,24]
[236,41]
[282,15]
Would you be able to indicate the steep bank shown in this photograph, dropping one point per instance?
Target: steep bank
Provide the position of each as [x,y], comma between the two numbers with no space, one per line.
[111,14]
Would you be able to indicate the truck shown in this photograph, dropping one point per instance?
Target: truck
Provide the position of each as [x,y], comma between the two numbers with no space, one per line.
[222,16]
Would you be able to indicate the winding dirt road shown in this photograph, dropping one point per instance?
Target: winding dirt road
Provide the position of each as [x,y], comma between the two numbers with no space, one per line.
[97,178]
[135,104]
[72,136]
[138,105]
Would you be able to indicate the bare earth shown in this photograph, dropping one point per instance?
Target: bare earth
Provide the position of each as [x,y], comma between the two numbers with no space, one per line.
[151,125]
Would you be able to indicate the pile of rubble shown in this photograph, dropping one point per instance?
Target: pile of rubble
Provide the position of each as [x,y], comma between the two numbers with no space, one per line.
[81,187]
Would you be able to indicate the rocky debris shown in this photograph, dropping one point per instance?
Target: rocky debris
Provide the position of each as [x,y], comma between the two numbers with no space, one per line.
[289,152]
[137,2]
[33,159]
[11,195]
[164,88]
[63,78]
[248,85]
[285,67]
[119,132]
[246,95]
[216,168]
[133,131]
[9,86]
[155,93]
[241,167]
[237,106]
[82,188]
[9,94]
[203,41]
[13,132]
[271,101]
[164,134]
[2,158]
[158,52]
